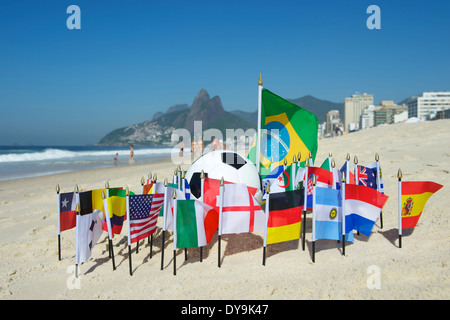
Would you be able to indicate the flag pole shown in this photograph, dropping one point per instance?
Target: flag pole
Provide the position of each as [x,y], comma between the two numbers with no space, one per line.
[174,196]
[267,222]
[166,202]
[127,194]
[202,190]
[305,202]
[355,160]
[58,201]
[183,189]
[258,135]
[220,220]
[77,210]
[314,181]
[377,159]
[343,213]
[399,176]
[108,224]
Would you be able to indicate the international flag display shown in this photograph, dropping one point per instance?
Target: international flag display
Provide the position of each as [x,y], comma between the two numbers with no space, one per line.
[89,224]
[196,223]
[286,130]
[67,214]
[378,178]
[362,208]
[367,176]
[285,216]
[415,195]
[240,211]
[144,210]
[117,209]
[349,176]
[212,191]
[324,179]
[328,215]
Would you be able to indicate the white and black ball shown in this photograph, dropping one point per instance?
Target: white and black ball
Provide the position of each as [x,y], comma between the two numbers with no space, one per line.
[227,164]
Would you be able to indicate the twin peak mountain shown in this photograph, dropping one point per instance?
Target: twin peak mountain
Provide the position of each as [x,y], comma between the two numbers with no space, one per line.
[158,131]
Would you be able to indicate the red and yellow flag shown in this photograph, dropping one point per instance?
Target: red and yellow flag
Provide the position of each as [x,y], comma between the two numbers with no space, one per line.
[415,195]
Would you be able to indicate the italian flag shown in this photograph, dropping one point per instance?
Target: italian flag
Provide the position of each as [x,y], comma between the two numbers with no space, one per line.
[195,223]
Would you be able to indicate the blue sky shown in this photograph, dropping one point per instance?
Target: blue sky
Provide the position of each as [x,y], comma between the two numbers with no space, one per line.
[133,58]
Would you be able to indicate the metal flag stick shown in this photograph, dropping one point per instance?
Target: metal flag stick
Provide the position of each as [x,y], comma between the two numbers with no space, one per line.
[267,222]
[343,212]
[220,220]
[399,176]
[58,199]
[127,194]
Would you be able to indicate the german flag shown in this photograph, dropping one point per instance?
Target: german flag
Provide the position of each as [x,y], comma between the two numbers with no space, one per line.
[285,216]
[415,195]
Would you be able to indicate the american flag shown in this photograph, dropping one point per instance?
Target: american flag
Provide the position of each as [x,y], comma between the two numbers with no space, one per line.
[144,210]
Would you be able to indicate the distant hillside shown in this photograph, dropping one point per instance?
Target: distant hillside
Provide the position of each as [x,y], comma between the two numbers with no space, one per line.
[159,130]
[317,106]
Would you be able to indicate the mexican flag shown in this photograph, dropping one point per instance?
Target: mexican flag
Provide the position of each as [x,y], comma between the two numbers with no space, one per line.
[286,130]
[196,223]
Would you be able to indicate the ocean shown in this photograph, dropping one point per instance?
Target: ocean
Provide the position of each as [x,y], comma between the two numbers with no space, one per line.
[17,162]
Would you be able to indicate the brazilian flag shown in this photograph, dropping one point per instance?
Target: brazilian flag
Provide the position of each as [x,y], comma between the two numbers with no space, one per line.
[286,130]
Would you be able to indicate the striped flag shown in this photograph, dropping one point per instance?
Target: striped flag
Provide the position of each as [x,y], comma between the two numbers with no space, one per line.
[414,196]
[328,215]
[195,223]
[144,210]
[285,216]
[67,214]
[362,208]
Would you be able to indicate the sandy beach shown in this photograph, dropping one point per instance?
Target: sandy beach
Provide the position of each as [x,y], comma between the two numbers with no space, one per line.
[29,266]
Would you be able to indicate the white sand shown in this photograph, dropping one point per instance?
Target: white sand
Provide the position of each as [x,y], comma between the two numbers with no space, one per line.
[29,266]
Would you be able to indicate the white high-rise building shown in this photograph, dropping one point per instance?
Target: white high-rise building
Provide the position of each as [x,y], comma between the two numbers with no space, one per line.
[353,108]
[426,105]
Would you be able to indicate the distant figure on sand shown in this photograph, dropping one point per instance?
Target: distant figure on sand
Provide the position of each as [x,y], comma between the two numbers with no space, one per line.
[181,145]
[116,159]
[131,161]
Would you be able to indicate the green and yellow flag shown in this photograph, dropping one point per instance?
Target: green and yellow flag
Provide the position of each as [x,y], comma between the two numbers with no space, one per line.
[286,130]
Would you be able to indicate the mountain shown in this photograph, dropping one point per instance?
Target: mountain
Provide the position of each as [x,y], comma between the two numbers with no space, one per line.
[210,112]
[158,131]
[317,106]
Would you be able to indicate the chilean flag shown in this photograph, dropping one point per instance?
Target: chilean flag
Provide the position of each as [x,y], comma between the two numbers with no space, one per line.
[362,208]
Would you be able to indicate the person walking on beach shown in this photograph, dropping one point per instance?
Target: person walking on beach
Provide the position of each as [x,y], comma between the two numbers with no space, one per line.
[116,159]
[131,160]
[181,145]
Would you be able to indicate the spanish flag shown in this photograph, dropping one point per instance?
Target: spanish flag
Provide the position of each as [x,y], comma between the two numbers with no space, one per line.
[415,195]
[285,216]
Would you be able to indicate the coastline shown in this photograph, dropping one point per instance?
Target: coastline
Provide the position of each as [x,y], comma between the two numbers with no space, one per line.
[29,268]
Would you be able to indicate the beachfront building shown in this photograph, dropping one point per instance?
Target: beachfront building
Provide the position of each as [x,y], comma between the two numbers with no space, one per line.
[332,121]
[367,117]
[386,112]
[426,105]
[353,108]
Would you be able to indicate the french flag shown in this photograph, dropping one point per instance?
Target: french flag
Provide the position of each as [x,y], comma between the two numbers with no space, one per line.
[362,208]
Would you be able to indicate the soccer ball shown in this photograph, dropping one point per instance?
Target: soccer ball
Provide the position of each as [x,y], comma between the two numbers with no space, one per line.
[227,164]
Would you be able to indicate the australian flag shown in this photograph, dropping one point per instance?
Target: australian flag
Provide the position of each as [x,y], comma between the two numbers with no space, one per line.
[367,177]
